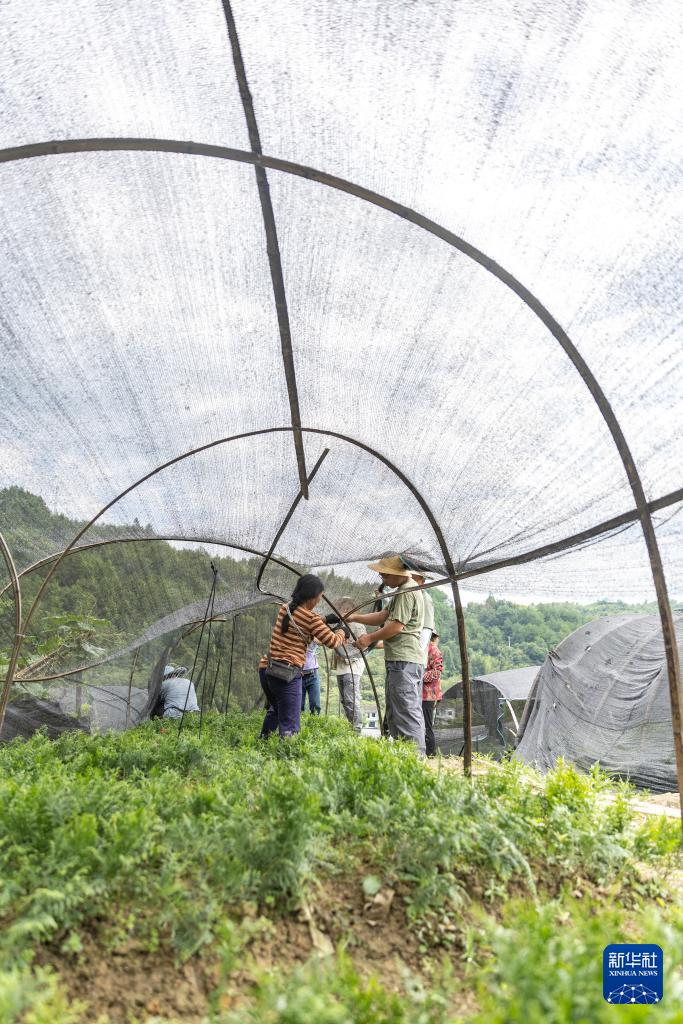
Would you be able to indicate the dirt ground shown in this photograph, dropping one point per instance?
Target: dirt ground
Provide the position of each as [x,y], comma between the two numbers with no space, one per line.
[129,983]
[132,984]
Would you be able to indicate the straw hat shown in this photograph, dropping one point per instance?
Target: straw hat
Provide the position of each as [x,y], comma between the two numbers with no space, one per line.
[392,565]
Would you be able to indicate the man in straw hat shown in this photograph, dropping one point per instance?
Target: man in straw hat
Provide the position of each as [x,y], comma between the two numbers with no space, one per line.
[400,625]
[421,577]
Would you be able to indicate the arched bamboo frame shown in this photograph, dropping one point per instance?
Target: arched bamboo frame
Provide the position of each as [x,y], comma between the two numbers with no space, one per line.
[626,519]
[568,542]
[259,160]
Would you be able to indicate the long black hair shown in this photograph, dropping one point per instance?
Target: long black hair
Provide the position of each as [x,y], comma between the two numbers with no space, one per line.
[307,586]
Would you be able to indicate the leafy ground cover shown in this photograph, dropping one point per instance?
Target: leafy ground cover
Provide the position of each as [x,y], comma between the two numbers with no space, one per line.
[147,877]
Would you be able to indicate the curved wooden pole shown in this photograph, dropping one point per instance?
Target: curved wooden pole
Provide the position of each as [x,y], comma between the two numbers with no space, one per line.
[232,648]
[327,675]
[18,635]
[466,681]
[292,509]
[623,520]
[272,247]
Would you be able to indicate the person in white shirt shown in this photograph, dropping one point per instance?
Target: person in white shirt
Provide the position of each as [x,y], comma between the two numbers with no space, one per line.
[349,668]
[177,694]
[428,621]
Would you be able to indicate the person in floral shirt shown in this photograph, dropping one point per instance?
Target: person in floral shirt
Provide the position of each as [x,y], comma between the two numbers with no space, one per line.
[431,691]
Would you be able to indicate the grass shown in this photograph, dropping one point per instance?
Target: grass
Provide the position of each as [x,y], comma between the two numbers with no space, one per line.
[164,840]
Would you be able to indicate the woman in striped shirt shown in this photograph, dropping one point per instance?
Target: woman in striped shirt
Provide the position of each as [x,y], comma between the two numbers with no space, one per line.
[296,627]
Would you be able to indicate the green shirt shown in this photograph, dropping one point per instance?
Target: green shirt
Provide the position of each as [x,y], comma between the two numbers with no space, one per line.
[429,611]
[408,609]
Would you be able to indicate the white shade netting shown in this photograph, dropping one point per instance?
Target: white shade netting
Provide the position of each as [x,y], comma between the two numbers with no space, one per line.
[155,303]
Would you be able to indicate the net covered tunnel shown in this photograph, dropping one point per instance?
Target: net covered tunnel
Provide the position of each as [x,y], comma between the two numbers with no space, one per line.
[310,283]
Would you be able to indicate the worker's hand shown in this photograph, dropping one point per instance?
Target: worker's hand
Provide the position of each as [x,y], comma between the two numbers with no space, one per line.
[363,641]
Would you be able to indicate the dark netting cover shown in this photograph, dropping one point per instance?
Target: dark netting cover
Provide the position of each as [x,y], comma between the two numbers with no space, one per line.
[603,696]
[425,254]
[499,699]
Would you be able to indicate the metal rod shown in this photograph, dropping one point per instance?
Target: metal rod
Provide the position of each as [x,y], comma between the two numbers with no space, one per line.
[71,547]
[279,533]
[327,675]
[205,668]
[272,246]
[16,644]
[466,682]
[232,648]
[199,644]
[130,686]
[285,522]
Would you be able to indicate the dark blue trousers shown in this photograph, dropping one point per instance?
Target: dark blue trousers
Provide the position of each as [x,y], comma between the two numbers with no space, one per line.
[284,705]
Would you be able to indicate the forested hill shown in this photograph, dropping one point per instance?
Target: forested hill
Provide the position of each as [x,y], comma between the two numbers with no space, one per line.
[504,635]
[33,531]
[98,582]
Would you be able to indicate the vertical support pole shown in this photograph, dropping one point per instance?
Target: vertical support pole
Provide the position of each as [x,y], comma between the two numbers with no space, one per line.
[232,648]
[18,636]
[207,616]
[327,672]
[673,663]
[215,678]
[204,674]
[78,703]
[466,682]
[130,687]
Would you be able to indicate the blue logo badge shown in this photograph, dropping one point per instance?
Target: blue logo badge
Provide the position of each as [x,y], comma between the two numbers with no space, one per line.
[633,973]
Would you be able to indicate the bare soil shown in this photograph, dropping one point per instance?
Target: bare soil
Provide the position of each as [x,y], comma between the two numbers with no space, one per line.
[130,983]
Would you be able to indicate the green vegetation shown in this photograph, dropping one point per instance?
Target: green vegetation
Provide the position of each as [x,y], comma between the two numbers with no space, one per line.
[211,850]
[60,639]
[193,846]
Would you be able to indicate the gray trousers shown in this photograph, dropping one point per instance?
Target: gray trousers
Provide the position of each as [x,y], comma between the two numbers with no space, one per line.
[403,692]
[349,693]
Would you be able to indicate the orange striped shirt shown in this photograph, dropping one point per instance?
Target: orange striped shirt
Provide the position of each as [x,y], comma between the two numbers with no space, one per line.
[290,646]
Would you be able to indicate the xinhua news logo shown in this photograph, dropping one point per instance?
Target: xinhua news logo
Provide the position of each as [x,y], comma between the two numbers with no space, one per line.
[633,973]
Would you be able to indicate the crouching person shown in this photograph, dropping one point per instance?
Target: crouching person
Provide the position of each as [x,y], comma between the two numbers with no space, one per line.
[177,695]
[400,624]
[296,627]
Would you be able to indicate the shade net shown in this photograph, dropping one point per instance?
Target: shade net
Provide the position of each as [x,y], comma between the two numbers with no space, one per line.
[603,697]
[154,312]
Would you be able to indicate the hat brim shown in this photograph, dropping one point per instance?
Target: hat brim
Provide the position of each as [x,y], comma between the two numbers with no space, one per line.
[388,570]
